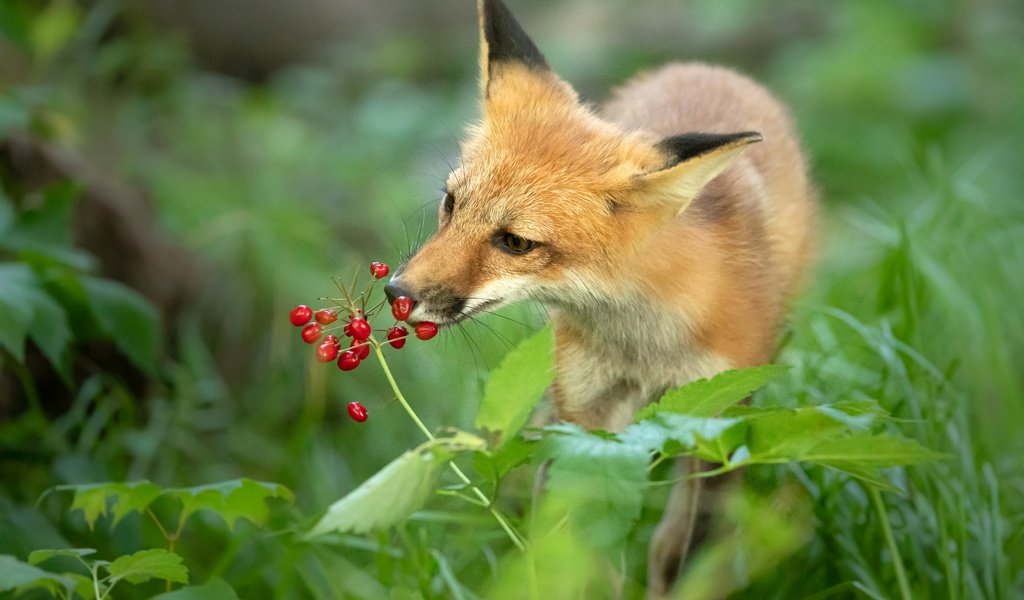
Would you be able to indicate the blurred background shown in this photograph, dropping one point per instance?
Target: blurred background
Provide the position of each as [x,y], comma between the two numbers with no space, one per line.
[176,175]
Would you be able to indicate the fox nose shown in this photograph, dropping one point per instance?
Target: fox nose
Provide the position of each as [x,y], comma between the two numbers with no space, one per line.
[392,290]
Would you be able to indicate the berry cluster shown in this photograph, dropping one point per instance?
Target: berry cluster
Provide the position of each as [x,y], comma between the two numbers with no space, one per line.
[356,327]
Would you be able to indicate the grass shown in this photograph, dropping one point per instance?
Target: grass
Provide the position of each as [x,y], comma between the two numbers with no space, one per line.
[911,119]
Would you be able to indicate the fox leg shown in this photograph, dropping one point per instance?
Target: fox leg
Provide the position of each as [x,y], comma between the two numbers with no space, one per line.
[675,532]
[692,506]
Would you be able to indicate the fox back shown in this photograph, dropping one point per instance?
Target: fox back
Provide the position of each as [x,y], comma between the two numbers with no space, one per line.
[665,232]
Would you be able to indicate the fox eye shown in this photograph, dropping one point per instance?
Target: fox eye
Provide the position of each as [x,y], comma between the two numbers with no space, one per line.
[517,245]
[449,202]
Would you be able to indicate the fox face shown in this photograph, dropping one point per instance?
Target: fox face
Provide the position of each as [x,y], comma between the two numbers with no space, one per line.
[550,202]
[533,207]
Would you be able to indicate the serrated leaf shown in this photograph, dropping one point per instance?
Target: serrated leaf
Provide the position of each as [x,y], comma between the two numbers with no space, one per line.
[38,556]
[710,438]
[517,384]
[709,397]
[232,500]
[787,433]
[865,451]
[601,478]
[215,589]
[144,565]
[92,501]
[120,498]
[387,498]
[127,318]
[134,497]
[15,574]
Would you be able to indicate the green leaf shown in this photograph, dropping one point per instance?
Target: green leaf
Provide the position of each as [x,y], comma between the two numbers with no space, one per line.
[389,497]
[513,389]
[83,585]
[865,451]
[127,318]
[135,496]
[601,478]
[92,501]
[711,438]
[46,229]
[38,556]
[16,574]
[709,397]
[215,589]
[51,333]
[787,433]
[121,499]
[26,310]
[232,500]
[18,291]
[142,566]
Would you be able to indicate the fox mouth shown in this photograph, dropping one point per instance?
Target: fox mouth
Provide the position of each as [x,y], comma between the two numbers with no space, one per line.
[476,309]
[459,310]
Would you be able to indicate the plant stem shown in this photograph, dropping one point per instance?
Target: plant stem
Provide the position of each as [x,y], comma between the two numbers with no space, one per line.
[94,569]
[901,575]
[160,526]
[502,521]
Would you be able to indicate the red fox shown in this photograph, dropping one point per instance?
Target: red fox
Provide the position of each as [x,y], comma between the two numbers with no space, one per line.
[665,232]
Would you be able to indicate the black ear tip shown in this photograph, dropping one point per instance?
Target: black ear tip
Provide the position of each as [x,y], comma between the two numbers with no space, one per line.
[506,39]
[690,145]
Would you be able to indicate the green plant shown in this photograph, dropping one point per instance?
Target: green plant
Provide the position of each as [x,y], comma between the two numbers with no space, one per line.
[231,500]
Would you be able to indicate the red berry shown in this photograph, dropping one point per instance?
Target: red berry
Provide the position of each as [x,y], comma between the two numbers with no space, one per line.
[311,333]
[361,348]
[333,339]
[359,329]
[326,316]
[347,329]
[327,350]
[300,315]
[396,336]
[401,308]
[379,270]
[357,411]
[348,360]
[426,330]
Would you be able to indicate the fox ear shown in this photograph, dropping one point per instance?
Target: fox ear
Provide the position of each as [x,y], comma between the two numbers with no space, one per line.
[503,41]
[694,159]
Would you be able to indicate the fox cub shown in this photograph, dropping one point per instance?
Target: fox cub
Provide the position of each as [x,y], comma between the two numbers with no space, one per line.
[665,232]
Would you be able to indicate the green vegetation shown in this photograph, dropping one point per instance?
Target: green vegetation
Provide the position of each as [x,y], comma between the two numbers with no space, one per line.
[147,392]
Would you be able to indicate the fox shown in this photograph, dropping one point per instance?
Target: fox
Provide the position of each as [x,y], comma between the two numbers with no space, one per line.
[665,231]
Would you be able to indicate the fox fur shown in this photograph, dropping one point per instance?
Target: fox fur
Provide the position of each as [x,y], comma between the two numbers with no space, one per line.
[665,232]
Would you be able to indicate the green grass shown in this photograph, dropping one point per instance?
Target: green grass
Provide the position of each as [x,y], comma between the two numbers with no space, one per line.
[911,117]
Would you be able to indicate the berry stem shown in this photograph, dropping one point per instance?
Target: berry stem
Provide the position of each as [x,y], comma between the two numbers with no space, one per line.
[509,530]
